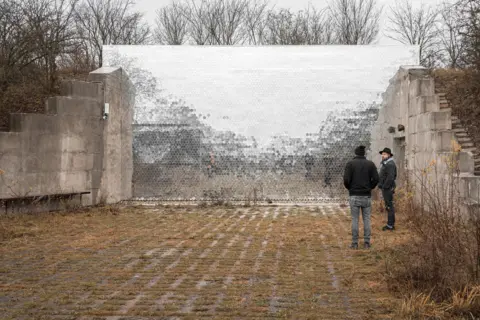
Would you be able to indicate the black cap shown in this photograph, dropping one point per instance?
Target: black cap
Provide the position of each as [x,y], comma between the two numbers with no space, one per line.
[360,151]
[387,150]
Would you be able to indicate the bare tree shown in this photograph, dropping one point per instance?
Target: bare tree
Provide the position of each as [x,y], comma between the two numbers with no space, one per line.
[256,21]
[469,17]
[451,41]
[34,33]
[171,24]
[223,20]
[108,22]
[15,42]
[197,16]
[306,27]
[415,27]
[284,28]
[51,25]
[317,26]
[355,21]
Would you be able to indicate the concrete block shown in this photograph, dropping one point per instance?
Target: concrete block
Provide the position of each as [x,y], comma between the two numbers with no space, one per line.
[10,141]
[78,161]
[11,162]
[442,140]
[422,87]
[432,121]
[473,187]
[412,125]
[35,123]
[72,143]
[50,142]
[422,104]
[421,142]
[74,181]
[441,120]
[416,106]
[432,103]
[76,106]
[466,162]
[87,200]
[72,88]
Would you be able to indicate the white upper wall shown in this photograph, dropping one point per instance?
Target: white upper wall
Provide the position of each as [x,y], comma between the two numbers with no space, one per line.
[265,91]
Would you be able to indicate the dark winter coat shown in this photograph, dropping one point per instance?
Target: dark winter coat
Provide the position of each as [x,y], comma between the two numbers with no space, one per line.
[360,177]
[388,175]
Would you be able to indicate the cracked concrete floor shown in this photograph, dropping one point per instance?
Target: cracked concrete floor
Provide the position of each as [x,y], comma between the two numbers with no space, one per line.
[190,263]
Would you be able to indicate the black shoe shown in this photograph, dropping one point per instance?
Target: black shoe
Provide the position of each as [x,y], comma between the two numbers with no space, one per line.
[388,228]
[366,245]
[354,246]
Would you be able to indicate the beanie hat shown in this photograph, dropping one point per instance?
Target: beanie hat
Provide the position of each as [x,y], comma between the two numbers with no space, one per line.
[360,151]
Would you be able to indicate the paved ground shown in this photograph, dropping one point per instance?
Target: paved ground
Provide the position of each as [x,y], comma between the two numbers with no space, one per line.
[190,263]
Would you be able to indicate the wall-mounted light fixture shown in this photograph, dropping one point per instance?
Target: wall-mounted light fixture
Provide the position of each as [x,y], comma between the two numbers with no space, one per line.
[401,127]
[106,111]
[391,129]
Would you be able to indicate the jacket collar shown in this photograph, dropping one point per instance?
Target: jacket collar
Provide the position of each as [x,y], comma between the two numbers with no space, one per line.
[387,161]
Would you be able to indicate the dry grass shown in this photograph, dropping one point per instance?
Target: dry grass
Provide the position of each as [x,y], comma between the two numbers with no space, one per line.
[437,270]
[189,262]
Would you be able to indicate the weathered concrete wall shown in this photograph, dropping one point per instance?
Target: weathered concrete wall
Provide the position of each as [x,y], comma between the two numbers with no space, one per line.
[114,181]
[71,149]
[428,139]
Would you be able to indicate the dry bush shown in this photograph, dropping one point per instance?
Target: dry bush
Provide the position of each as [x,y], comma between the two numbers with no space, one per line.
[438,271]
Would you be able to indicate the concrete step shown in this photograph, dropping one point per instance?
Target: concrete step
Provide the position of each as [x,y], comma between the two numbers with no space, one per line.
[458,130]
[461,134]
[471,150]
[465,139]
[467,145]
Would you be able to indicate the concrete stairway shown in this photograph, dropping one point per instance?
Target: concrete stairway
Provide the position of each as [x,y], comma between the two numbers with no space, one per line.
[461,134]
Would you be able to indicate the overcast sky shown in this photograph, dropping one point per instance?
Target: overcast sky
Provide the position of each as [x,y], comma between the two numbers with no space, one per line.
[148,7]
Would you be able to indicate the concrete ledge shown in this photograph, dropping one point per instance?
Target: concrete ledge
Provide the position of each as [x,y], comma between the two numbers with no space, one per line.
[77,106]
[84,89]
[432,121]
[33,122]
[44,203]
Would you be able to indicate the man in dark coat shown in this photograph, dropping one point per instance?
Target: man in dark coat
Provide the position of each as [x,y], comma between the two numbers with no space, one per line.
[388,175]
[360,177]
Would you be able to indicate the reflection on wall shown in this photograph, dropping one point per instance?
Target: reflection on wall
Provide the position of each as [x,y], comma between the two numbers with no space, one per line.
[257,126]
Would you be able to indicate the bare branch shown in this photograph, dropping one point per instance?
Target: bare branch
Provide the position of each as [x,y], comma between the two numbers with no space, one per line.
[415,27]
[450,38]
[171,24]
[109,22]
[355,21]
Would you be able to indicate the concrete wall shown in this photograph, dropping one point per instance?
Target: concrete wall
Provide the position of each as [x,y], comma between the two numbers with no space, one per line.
[71,148]
[428,138]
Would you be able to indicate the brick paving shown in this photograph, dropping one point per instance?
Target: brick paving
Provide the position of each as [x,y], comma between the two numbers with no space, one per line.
[192,263]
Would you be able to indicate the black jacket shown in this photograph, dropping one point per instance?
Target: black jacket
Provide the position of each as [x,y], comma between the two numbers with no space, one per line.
[360,177]
[388,175]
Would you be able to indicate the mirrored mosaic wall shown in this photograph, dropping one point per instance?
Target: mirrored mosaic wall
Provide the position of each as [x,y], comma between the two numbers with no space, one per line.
[252,123]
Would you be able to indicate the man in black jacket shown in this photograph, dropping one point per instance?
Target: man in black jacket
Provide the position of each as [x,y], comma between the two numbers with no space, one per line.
[360,178]
[388,175]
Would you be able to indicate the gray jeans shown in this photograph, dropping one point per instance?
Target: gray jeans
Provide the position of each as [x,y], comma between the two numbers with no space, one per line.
[364,203]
